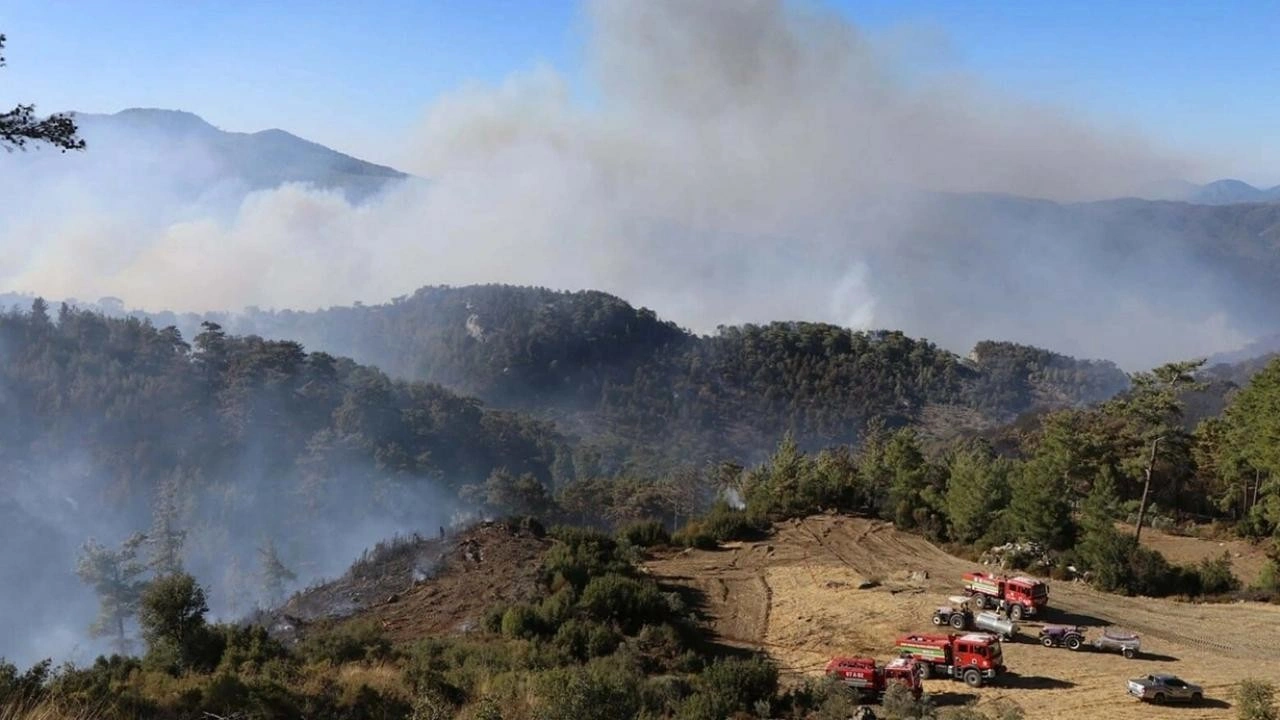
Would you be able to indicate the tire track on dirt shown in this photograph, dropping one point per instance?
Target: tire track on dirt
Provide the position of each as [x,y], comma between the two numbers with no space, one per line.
[803,579]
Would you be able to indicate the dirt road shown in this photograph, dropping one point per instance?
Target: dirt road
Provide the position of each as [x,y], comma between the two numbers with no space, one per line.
[833,585]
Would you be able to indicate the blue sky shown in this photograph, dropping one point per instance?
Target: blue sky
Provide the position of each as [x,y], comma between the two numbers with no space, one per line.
[357,76]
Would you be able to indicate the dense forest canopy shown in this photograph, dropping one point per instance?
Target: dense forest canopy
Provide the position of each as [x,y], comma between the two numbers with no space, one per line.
[111,426]
[136,456]
[623,378]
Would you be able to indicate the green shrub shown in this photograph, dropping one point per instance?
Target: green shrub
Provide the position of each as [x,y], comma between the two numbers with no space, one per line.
[661,644]
[601,641]
[1256,700]
[580,555]
[103,685]
[225,695]
[433,705]
[1268,577]
[171,612]
[1216,577]
[900,704]
[491,621]
[1119,564]
[521,621]
[248,649]
[583,639]
[628,602]
[348,642]
[557,607]
[596,692]
[833,700]
[705,706]
[23,688]
[732,685]
[646,534]
[724,523]
[693,535]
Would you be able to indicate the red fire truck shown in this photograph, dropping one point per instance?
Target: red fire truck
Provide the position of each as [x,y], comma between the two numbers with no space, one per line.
[871,680]
[1023,596]
[974,658]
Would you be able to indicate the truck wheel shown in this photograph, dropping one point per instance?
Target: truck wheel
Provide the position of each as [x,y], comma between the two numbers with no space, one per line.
[937,620]
[972,678]
[1196,698]
[924,669]
[1128,653]
[1158,699]
[957,621]
[1046,641]
[980,601]
[1016,613]
[1073,642]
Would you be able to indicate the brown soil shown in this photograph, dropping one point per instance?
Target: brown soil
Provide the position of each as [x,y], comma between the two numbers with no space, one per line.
[417,587]
[797,596]
[1247,558]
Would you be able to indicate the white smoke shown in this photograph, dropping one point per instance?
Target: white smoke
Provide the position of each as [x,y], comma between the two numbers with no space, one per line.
[745,161]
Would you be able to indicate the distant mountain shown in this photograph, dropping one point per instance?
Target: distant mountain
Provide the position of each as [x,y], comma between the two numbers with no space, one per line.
[175,155]
[1231,192]
[1263,347]
[1219,192]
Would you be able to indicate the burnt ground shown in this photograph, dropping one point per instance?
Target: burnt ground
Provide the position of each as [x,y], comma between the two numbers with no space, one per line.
[417,587]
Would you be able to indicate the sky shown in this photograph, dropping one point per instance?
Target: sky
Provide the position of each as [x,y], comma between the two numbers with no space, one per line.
[1195,76]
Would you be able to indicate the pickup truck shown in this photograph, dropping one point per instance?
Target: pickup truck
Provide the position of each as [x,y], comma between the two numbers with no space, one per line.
[1164,688]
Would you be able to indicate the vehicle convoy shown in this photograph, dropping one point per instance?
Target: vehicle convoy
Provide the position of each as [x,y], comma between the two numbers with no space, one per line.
[961,616]
[870,680]
[974,658]
[1162,688]
[1023,595]
[1073,637]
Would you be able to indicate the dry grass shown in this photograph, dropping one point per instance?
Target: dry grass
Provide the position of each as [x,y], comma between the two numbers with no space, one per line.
[1247,558]
[795,595]
[45,711]
[388,680]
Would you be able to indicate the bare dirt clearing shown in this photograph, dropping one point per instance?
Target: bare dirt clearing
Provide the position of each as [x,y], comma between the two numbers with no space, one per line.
[1247,559]
[832,585]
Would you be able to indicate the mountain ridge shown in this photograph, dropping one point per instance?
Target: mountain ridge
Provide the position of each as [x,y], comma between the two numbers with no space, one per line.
[1224,191]
[193,156]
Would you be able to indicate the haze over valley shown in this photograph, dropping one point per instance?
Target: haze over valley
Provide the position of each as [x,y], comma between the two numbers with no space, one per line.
[590,379]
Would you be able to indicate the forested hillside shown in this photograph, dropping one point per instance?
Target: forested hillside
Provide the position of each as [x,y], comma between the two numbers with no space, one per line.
[224,446]
[624,378]
[254,464]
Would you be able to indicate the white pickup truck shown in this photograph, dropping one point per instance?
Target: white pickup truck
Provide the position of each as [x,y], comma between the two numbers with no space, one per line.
[1164,688]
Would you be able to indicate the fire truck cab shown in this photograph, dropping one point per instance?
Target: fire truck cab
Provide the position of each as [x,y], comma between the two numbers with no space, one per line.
[974,658]
[1024,596]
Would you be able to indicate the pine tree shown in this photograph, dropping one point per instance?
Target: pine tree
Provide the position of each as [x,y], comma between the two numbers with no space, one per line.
[165,538]
[20,126]
[977,487]
[1101,506]
[116,577]
[274,573]
[1038,505]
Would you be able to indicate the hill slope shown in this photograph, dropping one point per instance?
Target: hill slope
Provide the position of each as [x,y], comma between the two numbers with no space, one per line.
[110,427]
[627,379]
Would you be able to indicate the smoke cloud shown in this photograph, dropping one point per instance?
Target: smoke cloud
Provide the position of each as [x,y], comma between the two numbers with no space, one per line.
[739,162]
